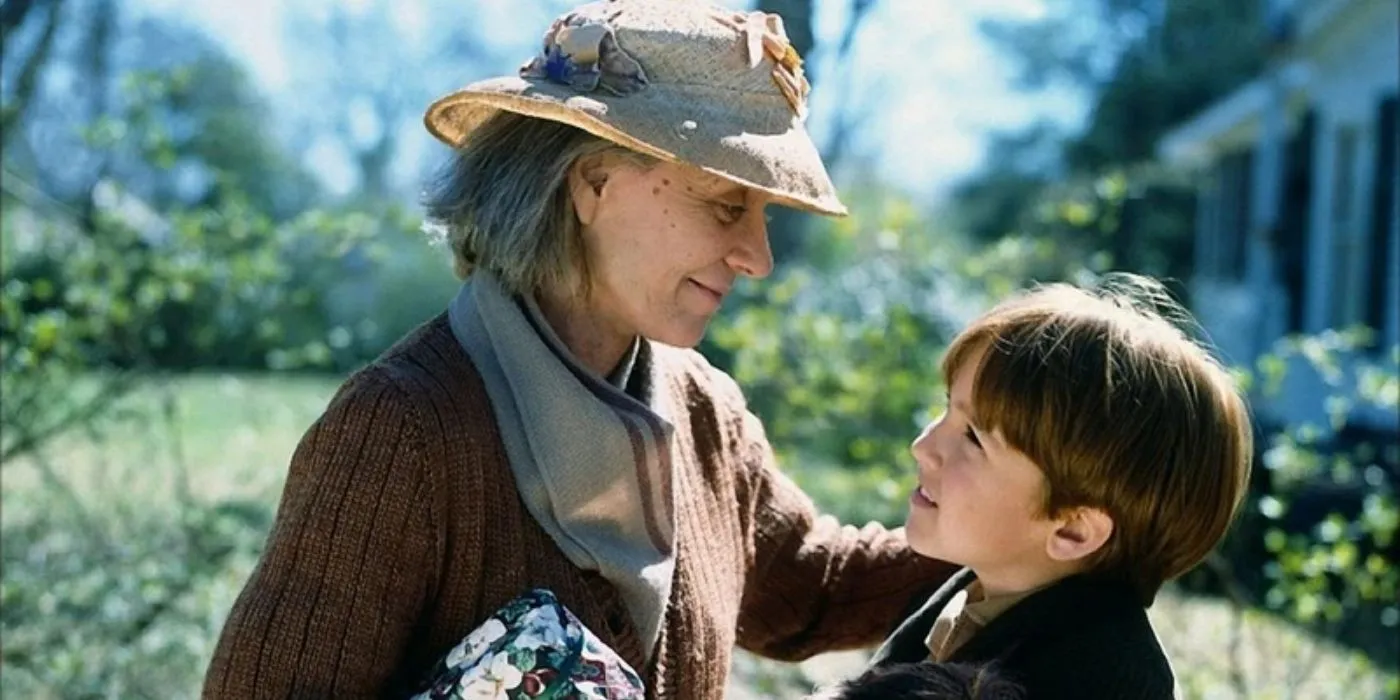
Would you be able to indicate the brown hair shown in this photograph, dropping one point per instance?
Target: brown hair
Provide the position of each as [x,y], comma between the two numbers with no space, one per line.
[1123,412]
[503,203]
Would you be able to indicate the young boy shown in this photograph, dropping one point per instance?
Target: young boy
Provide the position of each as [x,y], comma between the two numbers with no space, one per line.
[1090,452]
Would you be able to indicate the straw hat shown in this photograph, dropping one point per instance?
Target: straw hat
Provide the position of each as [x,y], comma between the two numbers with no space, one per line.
[674,79]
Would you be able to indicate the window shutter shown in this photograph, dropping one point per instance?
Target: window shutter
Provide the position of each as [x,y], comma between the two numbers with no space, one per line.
[1294,217]
[1382,213]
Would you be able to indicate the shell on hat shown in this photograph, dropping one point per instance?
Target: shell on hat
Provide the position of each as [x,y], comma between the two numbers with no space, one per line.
[674,79]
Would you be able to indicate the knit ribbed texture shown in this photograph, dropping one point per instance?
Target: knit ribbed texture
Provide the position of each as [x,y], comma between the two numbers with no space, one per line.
[400,530]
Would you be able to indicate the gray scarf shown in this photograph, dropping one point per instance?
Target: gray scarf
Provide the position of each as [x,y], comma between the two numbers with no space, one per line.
[592,463]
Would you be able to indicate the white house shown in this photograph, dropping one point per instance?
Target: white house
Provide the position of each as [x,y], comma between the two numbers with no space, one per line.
[1298,229]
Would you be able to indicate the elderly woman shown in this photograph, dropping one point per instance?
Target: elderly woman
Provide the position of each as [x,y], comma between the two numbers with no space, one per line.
[554,429]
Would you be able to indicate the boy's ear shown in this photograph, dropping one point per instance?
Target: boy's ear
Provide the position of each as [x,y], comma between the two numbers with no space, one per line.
[1080,533]
[586,179]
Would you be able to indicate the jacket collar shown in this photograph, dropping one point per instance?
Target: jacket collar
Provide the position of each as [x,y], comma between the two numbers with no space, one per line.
[1046,612]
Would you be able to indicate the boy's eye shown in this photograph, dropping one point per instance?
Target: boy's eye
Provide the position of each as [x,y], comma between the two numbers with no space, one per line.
[971,436]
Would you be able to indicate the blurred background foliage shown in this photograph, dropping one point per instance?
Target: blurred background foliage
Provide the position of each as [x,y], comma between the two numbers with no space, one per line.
[183,292]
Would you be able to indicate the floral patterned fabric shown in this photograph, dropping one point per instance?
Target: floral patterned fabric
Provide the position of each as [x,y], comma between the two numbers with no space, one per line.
[532,648]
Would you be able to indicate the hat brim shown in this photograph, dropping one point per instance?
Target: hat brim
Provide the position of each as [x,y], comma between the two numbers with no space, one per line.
[765,148]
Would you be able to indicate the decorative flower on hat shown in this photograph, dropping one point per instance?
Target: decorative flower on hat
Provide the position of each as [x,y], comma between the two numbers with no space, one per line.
[764,35]
[581,51]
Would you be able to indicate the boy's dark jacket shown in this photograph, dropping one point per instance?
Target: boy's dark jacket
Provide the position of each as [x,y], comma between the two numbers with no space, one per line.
[1077,638]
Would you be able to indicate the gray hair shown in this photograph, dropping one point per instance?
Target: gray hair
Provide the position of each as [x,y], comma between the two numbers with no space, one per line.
[503,201]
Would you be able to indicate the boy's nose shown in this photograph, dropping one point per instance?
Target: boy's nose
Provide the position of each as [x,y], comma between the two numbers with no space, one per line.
[922,447]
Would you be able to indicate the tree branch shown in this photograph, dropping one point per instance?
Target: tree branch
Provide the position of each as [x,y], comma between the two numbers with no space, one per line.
[13,13]
[34,438]
[28,80]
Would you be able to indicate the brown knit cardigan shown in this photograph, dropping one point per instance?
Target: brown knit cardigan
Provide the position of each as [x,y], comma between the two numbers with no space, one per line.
[400,530]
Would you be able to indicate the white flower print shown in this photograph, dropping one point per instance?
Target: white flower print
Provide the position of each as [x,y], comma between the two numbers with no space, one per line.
[491,680]
[476,642]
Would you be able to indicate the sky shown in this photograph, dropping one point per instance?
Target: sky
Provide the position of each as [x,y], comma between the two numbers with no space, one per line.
[930,86]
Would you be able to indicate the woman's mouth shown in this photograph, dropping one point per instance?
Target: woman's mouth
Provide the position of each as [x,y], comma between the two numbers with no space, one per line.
[714,294]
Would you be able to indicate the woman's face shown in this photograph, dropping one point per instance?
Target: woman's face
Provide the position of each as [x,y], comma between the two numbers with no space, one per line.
[664,245]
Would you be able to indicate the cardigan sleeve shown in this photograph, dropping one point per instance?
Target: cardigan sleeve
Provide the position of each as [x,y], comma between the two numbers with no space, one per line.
[816,585]
[350,563]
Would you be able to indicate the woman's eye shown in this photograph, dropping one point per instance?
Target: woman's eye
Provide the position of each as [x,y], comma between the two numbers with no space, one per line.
[731,213]
[971,436]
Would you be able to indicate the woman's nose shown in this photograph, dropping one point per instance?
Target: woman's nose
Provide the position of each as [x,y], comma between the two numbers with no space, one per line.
[752,256]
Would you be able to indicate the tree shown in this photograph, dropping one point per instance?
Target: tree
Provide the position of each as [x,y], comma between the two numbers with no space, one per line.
[349,78]
[1195,52]
[788,229]
[112,265]
[13,15]
[993,204]
[1145,65]
[161,109]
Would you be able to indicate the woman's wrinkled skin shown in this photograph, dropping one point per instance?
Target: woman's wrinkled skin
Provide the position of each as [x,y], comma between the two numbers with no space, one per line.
[664,245]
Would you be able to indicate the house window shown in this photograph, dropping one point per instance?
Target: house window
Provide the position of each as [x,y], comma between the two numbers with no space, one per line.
[1230,213]
[1348,273]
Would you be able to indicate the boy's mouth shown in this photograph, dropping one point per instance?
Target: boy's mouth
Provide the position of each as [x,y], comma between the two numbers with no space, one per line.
[921,497]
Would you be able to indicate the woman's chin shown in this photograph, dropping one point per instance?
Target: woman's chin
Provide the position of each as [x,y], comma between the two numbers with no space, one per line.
[680,335]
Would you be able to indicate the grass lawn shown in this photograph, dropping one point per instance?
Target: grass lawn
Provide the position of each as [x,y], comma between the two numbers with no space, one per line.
[117,580]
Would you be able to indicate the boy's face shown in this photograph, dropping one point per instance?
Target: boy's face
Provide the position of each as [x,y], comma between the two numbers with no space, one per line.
[978,503]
